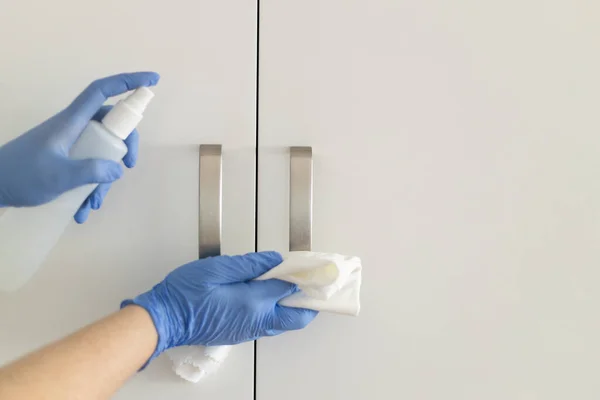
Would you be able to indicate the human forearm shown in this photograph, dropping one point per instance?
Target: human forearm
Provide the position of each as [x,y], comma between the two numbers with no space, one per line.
[91,363]
[210,302]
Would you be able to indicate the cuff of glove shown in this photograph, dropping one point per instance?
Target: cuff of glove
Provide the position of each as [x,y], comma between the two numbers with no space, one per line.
[158,318]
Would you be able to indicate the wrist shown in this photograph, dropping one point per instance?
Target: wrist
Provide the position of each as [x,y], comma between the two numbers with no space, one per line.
[141,327]
[152,303]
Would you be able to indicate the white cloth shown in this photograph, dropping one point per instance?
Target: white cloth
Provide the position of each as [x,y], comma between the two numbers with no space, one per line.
[328,282]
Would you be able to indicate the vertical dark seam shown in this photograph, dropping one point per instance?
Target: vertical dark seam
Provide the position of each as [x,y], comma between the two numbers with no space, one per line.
[256,165]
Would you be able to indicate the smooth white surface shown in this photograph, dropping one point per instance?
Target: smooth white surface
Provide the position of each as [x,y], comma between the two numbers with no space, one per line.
[456,151]
[206,54]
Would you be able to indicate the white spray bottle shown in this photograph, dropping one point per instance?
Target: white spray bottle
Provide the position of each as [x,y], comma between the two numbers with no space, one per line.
[27,235]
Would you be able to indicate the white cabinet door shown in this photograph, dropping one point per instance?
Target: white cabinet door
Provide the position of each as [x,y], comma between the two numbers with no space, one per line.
[457,151]
[206,54]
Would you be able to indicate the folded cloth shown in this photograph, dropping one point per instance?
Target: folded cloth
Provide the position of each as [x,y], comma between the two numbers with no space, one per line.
[327,282]
[193,363]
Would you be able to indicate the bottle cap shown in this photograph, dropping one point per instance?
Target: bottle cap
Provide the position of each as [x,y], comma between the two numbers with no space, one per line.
[122,119]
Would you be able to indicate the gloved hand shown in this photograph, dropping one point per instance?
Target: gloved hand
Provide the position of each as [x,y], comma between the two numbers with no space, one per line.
[214,302]
[35,167]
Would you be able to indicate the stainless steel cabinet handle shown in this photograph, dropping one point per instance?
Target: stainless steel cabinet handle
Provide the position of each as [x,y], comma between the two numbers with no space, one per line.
[301,198]
[210,197]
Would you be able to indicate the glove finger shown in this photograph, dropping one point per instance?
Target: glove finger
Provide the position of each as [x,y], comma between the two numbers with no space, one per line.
[84,212]
[83,172]
[132,142]
[232,269]
[101,113]
[98,195]
[88,103]
[289,318]
[272,290]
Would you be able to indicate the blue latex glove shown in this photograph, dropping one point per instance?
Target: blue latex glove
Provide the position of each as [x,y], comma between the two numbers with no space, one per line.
[215,302]
[35,167]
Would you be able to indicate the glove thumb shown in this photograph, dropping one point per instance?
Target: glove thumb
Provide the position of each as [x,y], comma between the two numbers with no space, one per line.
[83,172]
[289,319]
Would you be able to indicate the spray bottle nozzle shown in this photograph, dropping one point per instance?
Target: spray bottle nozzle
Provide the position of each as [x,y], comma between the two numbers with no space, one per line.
[139,99]
[127,113]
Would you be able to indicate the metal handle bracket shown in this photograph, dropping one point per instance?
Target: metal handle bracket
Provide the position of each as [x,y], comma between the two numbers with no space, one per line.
[301,198]
[210,201]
